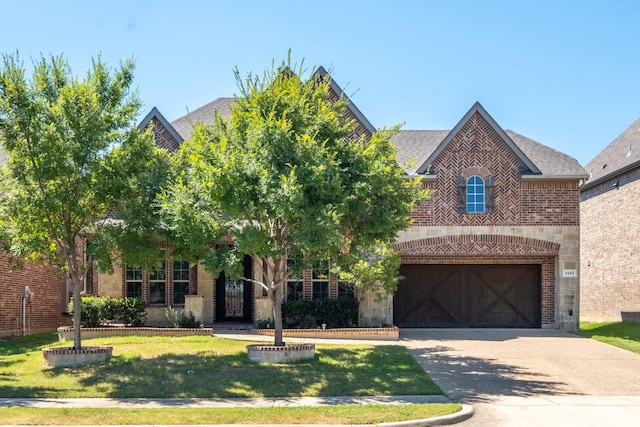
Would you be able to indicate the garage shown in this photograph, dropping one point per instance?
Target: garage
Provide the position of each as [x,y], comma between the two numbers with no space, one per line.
[468,296]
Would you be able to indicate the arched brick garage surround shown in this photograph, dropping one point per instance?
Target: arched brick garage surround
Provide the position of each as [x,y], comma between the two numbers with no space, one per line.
[489,249]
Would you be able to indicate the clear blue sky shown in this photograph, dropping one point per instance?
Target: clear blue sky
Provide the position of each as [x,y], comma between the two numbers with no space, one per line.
[562,72]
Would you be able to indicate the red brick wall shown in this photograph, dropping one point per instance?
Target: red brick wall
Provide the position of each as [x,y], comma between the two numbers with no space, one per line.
[610,249]
[360,130]
[164,138]
[547,264]
[478,150]
[44,311]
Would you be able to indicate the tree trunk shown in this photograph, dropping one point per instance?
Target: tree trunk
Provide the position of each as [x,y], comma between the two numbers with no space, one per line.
[278,272]
[75,276]
[276,304]
[77,307]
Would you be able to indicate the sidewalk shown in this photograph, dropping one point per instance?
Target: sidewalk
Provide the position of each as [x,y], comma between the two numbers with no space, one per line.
[464,414]
[261,402]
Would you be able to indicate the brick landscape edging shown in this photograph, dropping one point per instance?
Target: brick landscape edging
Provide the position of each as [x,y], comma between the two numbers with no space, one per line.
[382,334]
[65,333]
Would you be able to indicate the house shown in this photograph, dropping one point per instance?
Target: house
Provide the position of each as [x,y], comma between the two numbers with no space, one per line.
[33,298]
[496,246]
[610,263]
[498,243]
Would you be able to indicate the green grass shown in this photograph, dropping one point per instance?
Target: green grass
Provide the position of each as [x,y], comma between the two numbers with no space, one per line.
[206,367]
[625,335]
[341,414]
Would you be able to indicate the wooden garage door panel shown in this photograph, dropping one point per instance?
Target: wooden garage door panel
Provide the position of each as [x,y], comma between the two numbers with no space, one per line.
[468,296]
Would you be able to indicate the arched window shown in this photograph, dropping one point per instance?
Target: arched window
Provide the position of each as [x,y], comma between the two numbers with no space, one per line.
[475,195]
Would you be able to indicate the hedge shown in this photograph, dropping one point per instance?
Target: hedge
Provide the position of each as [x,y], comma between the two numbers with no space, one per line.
[98,311]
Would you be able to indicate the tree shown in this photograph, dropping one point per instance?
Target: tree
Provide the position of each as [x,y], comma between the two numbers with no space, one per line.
[283,178]
[75,160]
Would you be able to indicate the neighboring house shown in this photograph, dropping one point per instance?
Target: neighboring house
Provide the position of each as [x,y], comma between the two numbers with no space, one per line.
[610,249]
[496,246]
[32,297]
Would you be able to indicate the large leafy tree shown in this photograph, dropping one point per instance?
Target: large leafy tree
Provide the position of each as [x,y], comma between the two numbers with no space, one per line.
[75,161]
[284,178]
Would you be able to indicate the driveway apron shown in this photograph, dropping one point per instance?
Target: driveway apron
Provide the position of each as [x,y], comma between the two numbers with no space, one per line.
[531,377]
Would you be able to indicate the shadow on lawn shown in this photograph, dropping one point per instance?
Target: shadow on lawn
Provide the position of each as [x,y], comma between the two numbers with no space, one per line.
[334,372]
[25,344]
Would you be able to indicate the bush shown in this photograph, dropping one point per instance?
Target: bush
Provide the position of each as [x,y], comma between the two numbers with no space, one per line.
[264,323]
[97,311]
[178,319]
[307,314]
[131,311]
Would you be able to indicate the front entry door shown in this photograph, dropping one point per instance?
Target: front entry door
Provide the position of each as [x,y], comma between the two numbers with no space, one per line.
[234,296]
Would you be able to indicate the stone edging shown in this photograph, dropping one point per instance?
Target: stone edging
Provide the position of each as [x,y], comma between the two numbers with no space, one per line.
[382,334]
[58,357]
[263,353]
[288,347]
[65,333]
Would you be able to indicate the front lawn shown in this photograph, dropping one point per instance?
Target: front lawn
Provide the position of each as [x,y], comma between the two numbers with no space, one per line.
[625,335]
[328,415]
[206,367]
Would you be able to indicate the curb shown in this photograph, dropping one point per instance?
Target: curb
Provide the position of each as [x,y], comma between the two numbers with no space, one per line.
[464,414]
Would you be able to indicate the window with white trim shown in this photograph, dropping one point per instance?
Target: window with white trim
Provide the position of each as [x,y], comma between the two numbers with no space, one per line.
[475,195]
[320,280]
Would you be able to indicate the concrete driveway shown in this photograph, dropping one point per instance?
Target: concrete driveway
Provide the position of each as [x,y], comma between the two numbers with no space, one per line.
[531,377]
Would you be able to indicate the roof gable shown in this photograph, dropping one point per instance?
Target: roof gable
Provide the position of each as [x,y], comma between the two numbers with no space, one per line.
[622,154]
[165,134]
[479,109]
[205,114]
[351,107]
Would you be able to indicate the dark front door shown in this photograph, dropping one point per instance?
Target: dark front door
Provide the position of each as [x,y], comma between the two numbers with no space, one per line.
[468,296]
[234,297]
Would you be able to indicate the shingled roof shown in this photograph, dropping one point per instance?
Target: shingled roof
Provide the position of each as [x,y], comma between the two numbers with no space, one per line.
[416,149]
[204,114]
[622,154]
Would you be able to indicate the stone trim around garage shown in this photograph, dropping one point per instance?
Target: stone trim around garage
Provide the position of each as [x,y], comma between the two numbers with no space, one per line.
[382,334]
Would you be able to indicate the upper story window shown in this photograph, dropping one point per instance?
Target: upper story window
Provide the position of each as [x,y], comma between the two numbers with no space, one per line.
[475,195]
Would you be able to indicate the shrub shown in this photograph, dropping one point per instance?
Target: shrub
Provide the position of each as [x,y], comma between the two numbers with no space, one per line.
[97,311]
[311,314]
[173,316]
[131,311]
[178,319]
[264,323]
[90,311]
[188,321]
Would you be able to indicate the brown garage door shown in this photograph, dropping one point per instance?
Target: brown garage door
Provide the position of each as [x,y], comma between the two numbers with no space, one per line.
[468,296]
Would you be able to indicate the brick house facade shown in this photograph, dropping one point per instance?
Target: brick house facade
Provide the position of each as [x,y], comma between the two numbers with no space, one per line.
[528,228]
[610,263]
[42,310]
